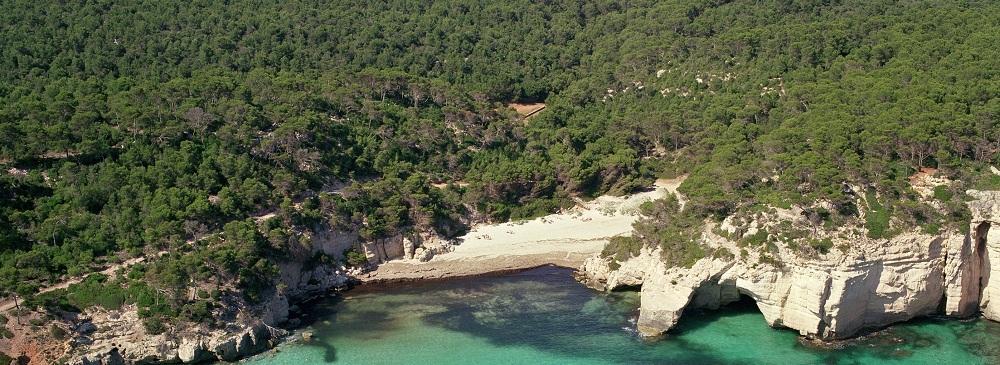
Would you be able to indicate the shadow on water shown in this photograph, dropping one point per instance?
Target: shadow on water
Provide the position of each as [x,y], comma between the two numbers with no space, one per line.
[980,337]
[895,343]
[547,310]
[321,317]
[911,342]
[316,312]
[694,319]
[728,324]
[898,343]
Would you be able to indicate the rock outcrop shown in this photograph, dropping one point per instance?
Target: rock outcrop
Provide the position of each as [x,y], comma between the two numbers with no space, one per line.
[421,247]
[124,339]
[870,284]
[218,345]
[414,246]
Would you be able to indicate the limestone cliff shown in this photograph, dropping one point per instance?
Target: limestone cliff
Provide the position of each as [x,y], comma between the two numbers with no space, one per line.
[420,247]
[416,246]
[868,283]
[122,339]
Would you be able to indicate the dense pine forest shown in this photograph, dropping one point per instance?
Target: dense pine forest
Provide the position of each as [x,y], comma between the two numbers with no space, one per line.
[160,129]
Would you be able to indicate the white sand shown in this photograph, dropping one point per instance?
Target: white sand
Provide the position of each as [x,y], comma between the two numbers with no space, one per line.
[564,239]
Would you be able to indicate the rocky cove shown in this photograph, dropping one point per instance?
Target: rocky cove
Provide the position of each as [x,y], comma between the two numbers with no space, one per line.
[564,239]
[833,296]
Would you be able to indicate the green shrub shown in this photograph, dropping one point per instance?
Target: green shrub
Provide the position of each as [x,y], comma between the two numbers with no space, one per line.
[197,311]
[768,260]
[988,182]
[6,333]
[3,321]
[55,300]
[57,332]
[684,252]
[96,289]
[877,223]
[877,219]
[614,265]
[4,359]
[355,258]
[722,253]
[942,193]
[622,248]
[823,245]
[154,326]
[203,294]
[36,321]
[319,258]
[757,239]
[253,294]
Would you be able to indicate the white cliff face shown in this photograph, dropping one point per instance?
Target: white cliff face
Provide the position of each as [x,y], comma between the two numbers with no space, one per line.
[963,270]
[985,238]
[874,284]
[419,246]
[989,239]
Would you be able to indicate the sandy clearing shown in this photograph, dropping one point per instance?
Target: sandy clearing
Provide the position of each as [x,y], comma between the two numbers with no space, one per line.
[564,239]
[527,109]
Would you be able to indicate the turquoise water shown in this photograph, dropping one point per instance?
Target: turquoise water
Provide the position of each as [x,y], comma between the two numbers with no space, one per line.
[543,316]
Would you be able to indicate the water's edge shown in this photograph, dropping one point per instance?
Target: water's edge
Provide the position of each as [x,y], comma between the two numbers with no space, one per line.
[543,315]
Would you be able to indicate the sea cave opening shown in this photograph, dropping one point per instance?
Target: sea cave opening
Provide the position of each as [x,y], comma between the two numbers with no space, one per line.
[743,310]
[982,230]
[627,288]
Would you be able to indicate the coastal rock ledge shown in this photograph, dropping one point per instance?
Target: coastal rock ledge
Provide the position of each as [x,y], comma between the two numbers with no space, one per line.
[159,349]
[124,340]
[863,284]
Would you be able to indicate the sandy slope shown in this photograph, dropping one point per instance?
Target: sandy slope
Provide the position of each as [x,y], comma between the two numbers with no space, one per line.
[564,239]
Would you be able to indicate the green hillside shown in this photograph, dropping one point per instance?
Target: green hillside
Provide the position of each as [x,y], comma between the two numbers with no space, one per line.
[128,129]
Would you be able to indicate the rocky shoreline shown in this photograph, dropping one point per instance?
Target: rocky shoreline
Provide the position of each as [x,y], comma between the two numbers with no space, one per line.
[869,283]
[125,342]
[118,337]
[833,296]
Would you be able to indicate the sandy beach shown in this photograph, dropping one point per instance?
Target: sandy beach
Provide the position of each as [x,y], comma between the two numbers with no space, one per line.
[565,239]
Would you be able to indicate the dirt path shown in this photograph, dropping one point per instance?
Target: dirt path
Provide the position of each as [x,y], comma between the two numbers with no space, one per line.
[8,304]
[26,342]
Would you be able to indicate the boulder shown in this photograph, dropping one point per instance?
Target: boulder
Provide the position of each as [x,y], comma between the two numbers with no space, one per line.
[194,351]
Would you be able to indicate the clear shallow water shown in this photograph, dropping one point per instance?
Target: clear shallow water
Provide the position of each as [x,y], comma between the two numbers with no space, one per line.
[543,316]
